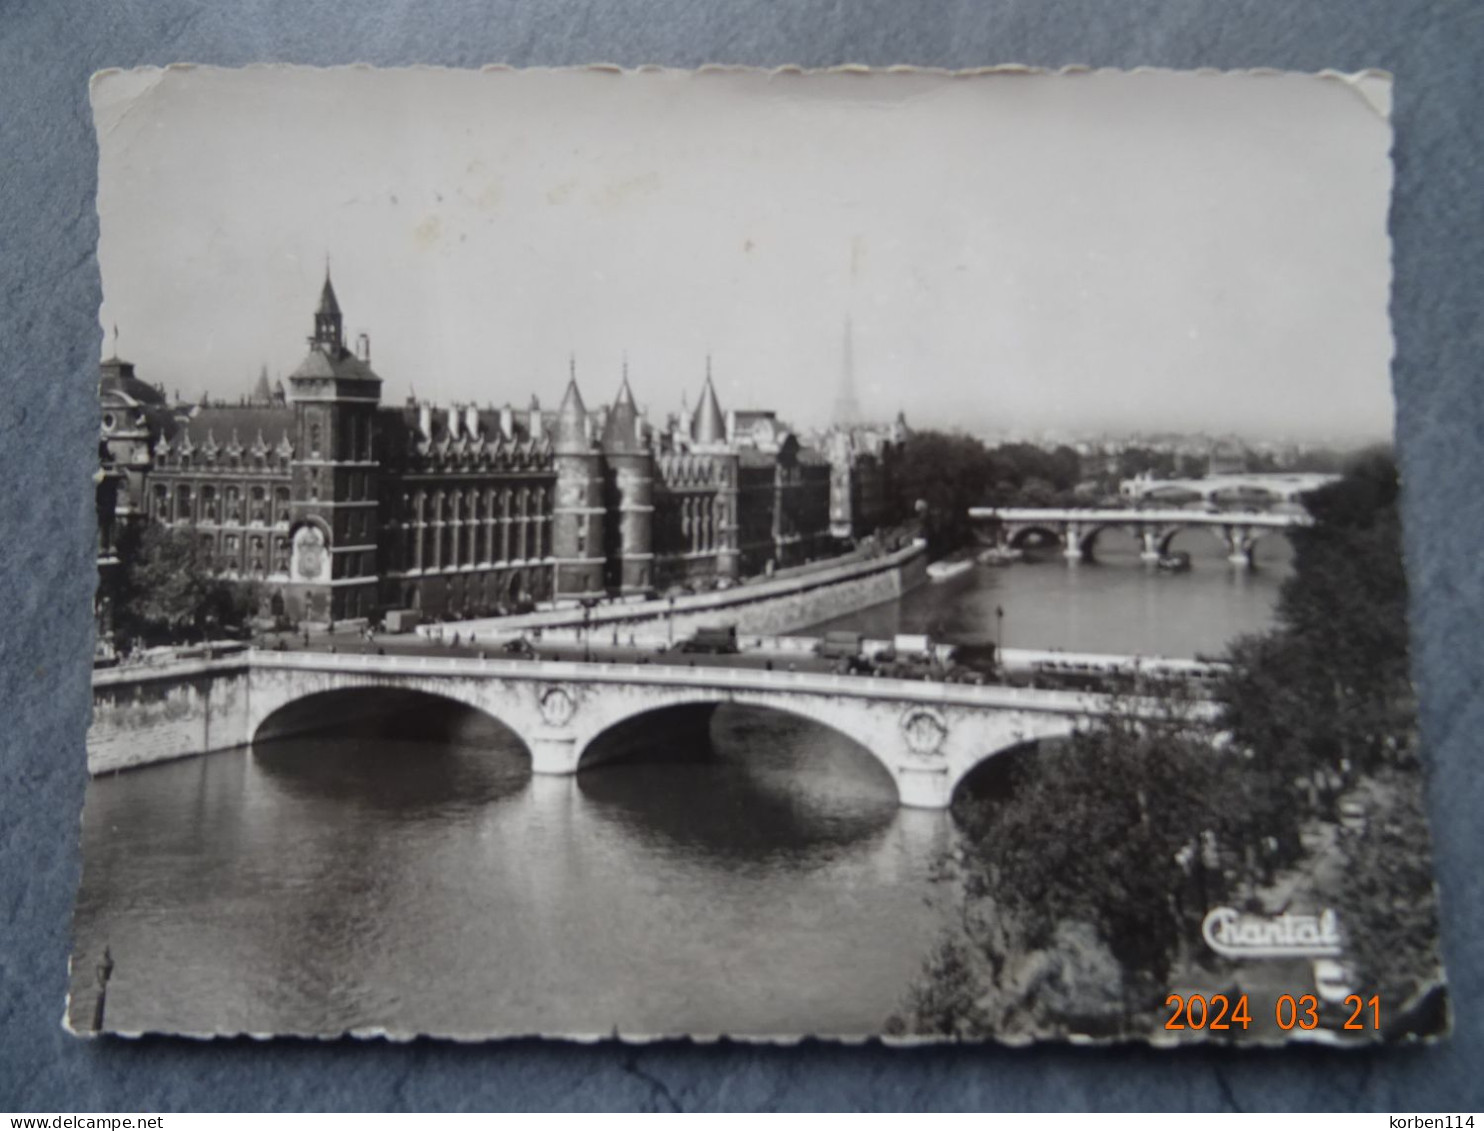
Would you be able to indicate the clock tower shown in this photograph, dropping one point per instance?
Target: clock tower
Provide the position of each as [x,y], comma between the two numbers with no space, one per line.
[335,394]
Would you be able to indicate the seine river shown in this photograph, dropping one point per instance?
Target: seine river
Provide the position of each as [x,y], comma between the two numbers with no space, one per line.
[768,885]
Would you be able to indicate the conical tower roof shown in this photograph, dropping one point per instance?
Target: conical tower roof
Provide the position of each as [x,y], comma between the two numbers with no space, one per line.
[571,422]
[708,426]
[621,433]
[261,393]
[328,304]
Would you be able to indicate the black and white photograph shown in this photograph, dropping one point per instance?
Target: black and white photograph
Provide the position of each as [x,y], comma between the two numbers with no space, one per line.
[856,554]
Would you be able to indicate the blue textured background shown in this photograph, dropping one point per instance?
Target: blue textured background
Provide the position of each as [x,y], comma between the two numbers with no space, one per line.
[49,341]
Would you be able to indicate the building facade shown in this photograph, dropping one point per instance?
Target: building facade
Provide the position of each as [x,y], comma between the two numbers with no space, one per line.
[342,507]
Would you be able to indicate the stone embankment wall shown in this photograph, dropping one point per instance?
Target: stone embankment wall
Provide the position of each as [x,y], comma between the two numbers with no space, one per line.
[769,607]
[142,717]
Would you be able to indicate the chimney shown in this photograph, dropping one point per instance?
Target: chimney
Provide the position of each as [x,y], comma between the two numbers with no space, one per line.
[363,347]
[471,422]
[425,421]
[537,431]
[507,422]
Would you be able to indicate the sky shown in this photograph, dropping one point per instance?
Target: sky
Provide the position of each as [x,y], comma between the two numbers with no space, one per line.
[1095,251]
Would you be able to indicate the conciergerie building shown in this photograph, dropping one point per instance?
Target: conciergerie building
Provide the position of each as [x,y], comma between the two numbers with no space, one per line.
[343,507]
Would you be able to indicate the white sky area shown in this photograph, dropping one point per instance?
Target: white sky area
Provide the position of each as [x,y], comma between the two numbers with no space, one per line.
[1097,251]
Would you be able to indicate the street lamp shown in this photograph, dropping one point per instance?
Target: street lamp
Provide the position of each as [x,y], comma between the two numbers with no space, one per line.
[587,636]
[999,627]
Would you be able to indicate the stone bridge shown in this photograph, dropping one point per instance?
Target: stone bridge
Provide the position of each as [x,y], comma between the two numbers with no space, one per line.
[1076,529]
[928,736]
[1254,489]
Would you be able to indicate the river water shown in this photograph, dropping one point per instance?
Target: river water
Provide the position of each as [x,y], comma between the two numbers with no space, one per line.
[764,885]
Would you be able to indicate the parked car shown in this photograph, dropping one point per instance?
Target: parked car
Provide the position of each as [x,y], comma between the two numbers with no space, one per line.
[718,640]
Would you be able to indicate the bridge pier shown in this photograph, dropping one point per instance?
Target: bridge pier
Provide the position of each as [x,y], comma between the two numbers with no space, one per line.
[1149,546]
[1239,542]
[923,788]
[553,752]
[1072,537]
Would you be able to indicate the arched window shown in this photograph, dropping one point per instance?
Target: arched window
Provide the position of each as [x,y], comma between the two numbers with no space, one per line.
[314,441]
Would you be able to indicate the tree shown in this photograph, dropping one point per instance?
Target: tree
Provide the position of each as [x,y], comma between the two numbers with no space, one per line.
[1386,898]
[1085,876]
[1327,695]
[170,594]
[947,472]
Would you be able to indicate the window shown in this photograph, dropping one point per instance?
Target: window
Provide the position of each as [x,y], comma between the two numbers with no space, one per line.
[314,439]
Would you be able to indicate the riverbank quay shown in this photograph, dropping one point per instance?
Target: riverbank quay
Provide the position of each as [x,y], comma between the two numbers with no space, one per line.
[777,605]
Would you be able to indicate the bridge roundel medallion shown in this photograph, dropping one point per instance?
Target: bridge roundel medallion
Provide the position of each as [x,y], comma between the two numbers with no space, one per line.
[557,706]
[924,729]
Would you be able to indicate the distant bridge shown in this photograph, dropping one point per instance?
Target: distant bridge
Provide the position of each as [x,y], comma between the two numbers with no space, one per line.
[928,736]
[1246,487]
[1076,529]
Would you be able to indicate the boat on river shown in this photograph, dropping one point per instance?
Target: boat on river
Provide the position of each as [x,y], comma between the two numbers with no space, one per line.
[1001,556]
[942,571]
[1178,562]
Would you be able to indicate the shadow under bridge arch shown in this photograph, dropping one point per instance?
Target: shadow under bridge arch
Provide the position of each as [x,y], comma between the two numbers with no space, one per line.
[396,750]
[980,748]
[770,740]
[375,711]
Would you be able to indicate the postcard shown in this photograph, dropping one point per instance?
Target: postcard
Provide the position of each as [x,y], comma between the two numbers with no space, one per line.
[857,554]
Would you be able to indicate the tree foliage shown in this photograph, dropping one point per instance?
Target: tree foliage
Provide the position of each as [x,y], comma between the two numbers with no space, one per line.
[1327,695]
[1097,845]
[949,472]
[170,594]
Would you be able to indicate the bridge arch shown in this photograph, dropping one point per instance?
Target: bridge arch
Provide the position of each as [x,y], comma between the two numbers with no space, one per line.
[1088,537]
[685,718]
[373,709]
[1020,738]
[1016,535]
[1238,540]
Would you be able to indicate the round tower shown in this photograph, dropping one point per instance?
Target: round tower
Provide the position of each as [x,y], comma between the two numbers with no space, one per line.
[631,471]
[577,517]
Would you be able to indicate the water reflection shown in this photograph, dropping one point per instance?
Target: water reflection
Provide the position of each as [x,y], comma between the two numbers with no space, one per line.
[317,885]
[763,790]
[407,778]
